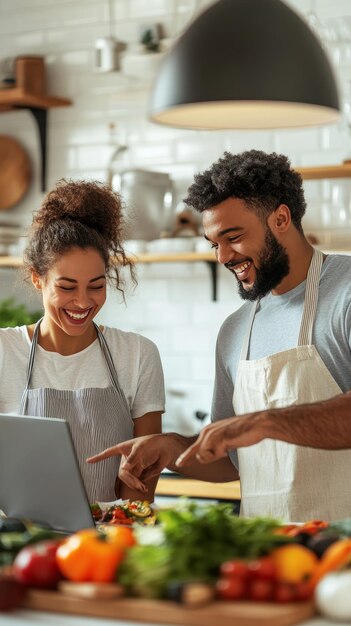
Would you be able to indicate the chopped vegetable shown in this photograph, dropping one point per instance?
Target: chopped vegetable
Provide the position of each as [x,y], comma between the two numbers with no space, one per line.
[127,513]
[146,571]
[195,541]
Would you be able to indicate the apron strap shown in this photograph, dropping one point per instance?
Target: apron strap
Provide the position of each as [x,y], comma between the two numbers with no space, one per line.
[246,342]
[311,299]
[32,351]
[110,364]
[23,402]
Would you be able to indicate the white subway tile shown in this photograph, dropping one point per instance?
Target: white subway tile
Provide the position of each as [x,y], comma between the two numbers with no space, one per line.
[175,366]
[185,340]
[203,367]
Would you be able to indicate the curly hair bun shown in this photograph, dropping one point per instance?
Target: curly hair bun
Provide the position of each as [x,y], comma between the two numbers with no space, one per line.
[91,203]
[83,214]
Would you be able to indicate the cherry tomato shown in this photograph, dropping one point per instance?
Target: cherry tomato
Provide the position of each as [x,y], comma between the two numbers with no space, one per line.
[284,592]
[263,568]
[261,590]
[236,568]
[36,566]
[303,591]
[11,592]
[231,588]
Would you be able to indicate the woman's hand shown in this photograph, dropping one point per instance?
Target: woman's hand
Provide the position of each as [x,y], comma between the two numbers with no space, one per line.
[142,458]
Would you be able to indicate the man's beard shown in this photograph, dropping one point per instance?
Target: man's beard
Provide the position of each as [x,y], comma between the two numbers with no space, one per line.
[273,267]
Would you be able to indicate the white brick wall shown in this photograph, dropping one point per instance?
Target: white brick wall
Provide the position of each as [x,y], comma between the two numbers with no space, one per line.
[172,302]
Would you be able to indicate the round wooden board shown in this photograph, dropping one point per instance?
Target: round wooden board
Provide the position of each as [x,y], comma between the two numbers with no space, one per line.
[15,172]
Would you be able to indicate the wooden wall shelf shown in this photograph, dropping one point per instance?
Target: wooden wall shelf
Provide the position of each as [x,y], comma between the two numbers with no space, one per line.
[326,171]
[179,257]
[11,261]
[29,93]
[184,257]
[16,97]
[176,257]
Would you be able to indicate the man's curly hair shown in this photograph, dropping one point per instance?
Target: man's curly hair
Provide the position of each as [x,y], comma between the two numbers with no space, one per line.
[263,181]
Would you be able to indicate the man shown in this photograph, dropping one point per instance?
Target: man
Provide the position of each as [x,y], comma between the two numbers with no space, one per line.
[287,346]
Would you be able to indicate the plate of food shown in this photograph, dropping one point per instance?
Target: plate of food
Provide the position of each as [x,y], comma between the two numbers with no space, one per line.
[125,512]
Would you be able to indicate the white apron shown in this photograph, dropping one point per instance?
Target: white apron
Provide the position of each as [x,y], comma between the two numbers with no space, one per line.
[293,483]
[98,418]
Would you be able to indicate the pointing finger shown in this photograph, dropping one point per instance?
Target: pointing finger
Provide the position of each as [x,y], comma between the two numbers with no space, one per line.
[117,450]
[189,455]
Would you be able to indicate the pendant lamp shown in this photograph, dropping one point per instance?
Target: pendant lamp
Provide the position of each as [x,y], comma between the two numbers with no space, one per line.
[246,64]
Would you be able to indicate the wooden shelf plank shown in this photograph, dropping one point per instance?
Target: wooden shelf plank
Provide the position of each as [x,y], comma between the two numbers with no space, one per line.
[326,171]
[17,97]
[198,488]
[11,261]
[174,257]
[191,257]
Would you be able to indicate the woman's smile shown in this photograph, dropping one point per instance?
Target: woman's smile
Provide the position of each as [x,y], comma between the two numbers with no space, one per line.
[77,316]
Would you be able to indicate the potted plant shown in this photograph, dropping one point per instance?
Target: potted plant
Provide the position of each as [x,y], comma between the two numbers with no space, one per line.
[14,314]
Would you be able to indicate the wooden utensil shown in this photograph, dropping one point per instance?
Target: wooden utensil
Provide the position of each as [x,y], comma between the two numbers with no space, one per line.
[15,172]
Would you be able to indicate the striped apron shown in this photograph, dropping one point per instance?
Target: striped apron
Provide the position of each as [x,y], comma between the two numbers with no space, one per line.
[98,418]
[278,479]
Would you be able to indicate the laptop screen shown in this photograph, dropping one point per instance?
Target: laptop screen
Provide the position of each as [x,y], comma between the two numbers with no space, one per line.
[40,478]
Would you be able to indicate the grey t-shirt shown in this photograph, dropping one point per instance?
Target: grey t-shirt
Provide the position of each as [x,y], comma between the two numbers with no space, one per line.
[276,328]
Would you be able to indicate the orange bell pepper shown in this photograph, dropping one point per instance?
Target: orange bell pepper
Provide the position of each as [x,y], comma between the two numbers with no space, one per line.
[335,557]
[93,555]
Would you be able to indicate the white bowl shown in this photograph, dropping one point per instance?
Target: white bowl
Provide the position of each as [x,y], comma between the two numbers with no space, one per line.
[171,244]
[202,245]
[135,246]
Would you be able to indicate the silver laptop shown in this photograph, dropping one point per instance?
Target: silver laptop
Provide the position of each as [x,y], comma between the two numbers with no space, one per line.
[40,478]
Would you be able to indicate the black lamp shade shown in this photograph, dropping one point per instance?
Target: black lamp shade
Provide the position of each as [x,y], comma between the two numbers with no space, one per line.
[246,64]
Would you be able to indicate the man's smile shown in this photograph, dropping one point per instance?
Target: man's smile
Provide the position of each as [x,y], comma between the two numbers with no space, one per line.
[241,269]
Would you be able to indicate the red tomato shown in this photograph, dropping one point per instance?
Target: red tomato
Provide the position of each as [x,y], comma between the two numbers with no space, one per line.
[284,592]
[11,592]
[261,590]
[35,565]
[235,568]
[231,588]
[303,591]
[263,568]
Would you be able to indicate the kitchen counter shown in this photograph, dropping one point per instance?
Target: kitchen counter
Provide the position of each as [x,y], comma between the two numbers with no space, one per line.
[176,485]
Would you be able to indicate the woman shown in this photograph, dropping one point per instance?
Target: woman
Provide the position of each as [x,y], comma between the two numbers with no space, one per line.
[108,384]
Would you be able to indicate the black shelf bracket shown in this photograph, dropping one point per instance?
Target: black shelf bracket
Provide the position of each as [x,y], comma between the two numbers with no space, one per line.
[213,265]
[40,116]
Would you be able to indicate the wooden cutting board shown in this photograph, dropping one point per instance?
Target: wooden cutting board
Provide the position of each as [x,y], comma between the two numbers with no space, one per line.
[166,612]
[15,172]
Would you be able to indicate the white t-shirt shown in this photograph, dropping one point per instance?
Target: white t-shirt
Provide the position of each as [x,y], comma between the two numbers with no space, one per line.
[135,357]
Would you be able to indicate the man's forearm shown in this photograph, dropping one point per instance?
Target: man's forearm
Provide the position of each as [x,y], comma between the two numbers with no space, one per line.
[324,424]
[220,471]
